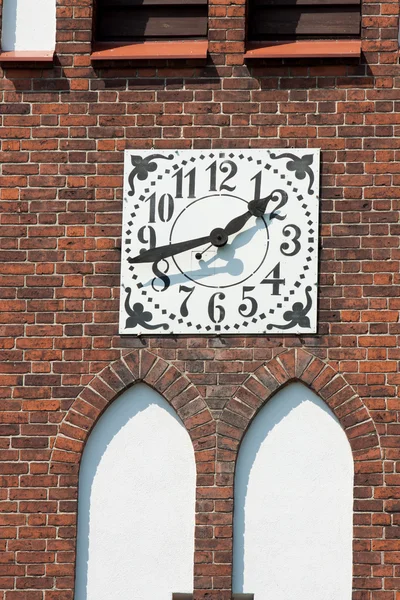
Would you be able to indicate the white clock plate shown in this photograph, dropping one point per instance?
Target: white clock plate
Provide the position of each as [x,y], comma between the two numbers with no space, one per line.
[220,242]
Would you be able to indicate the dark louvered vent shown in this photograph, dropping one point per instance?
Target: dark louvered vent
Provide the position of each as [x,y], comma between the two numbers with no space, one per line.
[131,20]
[303,19]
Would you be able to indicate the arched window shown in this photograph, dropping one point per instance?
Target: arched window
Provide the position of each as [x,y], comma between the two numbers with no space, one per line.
[28,25]
[136,503]
[294,502]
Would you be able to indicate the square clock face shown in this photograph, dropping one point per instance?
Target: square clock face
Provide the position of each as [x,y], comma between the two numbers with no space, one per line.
[220,242]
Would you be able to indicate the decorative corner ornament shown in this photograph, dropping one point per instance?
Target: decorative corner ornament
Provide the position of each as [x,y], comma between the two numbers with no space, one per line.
[220,242]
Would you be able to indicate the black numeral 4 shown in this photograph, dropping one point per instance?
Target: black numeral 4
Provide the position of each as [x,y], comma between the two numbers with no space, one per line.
[274,278]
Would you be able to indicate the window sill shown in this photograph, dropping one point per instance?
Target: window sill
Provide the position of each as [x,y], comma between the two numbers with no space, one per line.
[25,56]
[304,49]
[188,49]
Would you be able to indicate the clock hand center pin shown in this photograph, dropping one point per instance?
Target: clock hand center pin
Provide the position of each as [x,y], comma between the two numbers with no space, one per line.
[199,255]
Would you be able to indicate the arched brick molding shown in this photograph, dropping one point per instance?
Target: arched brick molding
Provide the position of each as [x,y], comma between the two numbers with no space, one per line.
[140,365]
[299,365]
[182,395]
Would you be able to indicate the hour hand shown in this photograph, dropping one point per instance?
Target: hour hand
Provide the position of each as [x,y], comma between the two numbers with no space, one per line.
[259,206]
[156,254]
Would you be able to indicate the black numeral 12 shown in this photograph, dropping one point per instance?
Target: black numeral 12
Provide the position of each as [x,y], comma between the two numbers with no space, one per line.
[227,166]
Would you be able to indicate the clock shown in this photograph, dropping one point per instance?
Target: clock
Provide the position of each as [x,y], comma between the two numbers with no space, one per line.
[219,242]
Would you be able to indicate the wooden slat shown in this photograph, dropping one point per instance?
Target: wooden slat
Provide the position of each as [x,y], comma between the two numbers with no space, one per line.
[284,3]
[272,23]
[152,22]
[110,4]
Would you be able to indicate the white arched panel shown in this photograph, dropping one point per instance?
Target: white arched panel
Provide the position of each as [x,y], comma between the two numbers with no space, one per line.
[136,503]
[29,25]
[294,502]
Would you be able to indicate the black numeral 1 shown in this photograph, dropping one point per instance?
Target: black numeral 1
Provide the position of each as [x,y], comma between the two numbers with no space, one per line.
[257,185]
[213,176]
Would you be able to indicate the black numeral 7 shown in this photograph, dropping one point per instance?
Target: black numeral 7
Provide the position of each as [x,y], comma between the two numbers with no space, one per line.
[187,290]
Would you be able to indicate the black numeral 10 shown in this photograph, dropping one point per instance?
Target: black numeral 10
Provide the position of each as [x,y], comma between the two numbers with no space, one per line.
[162,210]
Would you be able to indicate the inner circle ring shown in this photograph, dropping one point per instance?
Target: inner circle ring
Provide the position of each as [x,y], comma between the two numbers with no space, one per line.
[196,281]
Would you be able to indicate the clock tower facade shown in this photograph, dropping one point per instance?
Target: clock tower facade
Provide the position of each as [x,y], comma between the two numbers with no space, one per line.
[213,217]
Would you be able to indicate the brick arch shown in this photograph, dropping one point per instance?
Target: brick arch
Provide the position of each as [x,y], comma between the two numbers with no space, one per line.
[138,366]
[299,365]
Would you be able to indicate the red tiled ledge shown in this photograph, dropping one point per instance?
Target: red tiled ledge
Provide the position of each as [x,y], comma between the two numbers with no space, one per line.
[304,49]
[27,56]
[150,50]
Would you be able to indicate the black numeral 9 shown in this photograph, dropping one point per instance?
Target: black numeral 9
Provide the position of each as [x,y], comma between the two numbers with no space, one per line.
[147,235]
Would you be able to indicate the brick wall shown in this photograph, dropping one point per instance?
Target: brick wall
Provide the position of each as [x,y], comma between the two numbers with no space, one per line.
[63,133]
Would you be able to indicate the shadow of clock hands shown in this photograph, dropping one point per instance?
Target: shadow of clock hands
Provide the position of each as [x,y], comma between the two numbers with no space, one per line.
[244,237]
[234,267]
[214,262]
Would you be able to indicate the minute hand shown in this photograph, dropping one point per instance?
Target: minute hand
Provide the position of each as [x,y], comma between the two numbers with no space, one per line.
[217,237]
[157,254]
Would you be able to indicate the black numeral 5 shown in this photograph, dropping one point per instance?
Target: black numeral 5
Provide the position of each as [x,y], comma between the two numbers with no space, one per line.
[250,309]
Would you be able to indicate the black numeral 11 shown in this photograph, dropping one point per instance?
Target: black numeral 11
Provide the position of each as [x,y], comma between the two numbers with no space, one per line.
[179,183]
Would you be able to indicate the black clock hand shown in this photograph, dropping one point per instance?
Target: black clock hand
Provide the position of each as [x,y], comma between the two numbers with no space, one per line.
[218,237]
[237,224]
[256,208]
[157,254]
